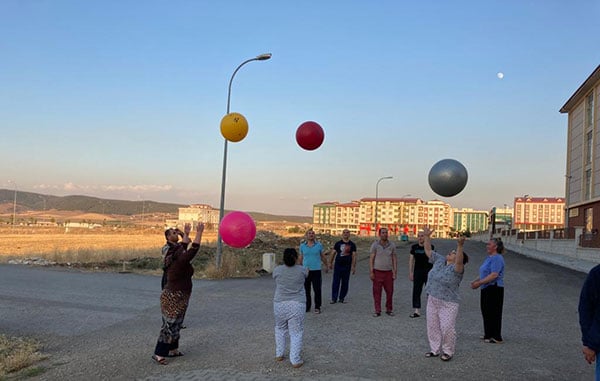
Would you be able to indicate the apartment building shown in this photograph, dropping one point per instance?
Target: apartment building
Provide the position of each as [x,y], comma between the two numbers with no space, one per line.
[194,213]
[538,213]
[582,177]
[333,217]
[399,215]
[468,219]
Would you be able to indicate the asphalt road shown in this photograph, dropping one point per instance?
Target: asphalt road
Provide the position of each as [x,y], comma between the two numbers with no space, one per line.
[100,326]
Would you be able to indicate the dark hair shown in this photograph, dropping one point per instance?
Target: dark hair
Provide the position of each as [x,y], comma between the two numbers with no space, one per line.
[167,232]
[499,245]
[289,256]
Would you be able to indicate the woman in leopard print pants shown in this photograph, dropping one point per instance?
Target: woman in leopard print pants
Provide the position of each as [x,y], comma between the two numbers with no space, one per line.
[177,291]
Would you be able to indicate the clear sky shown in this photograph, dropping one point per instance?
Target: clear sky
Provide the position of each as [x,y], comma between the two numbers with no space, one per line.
[123,99]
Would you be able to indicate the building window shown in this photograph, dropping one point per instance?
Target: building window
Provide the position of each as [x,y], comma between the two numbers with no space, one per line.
[588,147]
[589,219]
[589,111]
[588,184]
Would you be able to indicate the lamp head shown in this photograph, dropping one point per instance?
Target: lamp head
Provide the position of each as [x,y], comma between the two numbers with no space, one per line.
[263,57]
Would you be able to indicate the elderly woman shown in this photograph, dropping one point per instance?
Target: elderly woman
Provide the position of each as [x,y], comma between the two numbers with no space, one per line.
[491,282]
[177,290]
[443,299]
[289,305]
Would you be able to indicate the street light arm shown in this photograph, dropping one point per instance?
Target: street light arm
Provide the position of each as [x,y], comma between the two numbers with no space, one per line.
[261,57]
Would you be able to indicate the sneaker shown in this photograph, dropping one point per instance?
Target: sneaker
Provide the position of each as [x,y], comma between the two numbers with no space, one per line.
[390,313]
[333,302]
[342,301]
[377,314]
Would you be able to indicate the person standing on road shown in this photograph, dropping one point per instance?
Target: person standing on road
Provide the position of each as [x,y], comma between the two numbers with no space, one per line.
[491,282]
[589,318]
[289,304]
[343,262]
[418,268]
[382,271]
[176,294]
[442,296]
[312,256]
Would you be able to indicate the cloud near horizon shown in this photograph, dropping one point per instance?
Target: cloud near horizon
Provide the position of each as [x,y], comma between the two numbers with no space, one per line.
[72,187]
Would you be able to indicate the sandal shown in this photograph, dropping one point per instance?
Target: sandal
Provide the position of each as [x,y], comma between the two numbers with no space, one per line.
[175,354]
[377,314]
[390,313]
[431,354]
[445,357]
[279,358]
[414,315]
[161,361]
[317,311]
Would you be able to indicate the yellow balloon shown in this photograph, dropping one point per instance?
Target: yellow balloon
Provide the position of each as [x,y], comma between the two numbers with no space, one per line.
[234,127]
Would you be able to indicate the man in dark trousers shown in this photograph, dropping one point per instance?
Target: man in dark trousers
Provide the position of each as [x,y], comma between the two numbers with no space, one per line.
[343,262]
[418,269]
[589,318]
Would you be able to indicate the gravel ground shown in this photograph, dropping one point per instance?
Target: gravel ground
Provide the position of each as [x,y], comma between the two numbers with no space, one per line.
[100,326]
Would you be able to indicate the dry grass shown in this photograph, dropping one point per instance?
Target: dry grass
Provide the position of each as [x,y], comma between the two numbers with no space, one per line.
[17,354]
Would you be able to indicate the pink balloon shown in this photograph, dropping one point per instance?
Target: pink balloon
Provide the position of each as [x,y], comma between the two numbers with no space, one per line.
[310,135]
[237,229]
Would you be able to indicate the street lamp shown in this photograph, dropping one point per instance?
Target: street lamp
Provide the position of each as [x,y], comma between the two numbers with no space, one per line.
[262,57]
[14,204]
[377,197]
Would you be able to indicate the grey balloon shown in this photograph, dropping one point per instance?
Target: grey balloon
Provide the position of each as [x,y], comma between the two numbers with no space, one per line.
[448,177]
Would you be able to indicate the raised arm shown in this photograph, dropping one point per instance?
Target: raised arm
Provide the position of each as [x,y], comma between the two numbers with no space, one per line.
[187,228]
[427,244]
[199,231]
[459,266]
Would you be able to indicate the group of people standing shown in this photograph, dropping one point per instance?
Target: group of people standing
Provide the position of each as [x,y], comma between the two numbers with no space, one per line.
[441,275]
[301,271]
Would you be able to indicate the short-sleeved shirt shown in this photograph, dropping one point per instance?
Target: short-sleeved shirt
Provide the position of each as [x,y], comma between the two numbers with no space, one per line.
[443,281]
[421,260]
[289,283]
[493,264]
[311,255]
[383,255]
[343,257]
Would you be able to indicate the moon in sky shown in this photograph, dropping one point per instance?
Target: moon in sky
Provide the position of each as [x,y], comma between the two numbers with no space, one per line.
[500,75]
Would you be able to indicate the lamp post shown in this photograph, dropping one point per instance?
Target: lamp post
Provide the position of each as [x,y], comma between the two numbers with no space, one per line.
[262,57]
[14,204]
[377,198]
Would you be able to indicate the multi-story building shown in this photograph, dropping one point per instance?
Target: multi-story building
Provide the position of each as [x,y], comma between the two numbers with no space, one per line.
[582,188]
[194,213]
[468,219]
[399,215]
[324,216]
[538,213]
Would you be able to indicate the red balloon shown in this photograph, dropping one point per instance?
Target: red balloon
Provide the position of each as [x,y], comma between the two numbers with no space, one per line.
[310,135]
[237,229]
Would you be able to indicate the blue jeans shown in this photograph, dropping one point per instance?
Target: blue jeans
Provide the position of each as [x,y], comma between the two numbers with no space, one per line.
[341,274]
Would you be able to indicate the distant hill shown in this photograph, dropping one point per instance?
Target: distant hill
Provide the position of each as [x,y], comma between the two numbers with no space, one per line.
[87,204]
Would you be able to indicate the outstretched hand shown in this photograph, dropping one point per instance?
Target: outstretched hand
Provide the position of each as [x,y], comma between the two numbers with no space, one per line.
[427,231]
